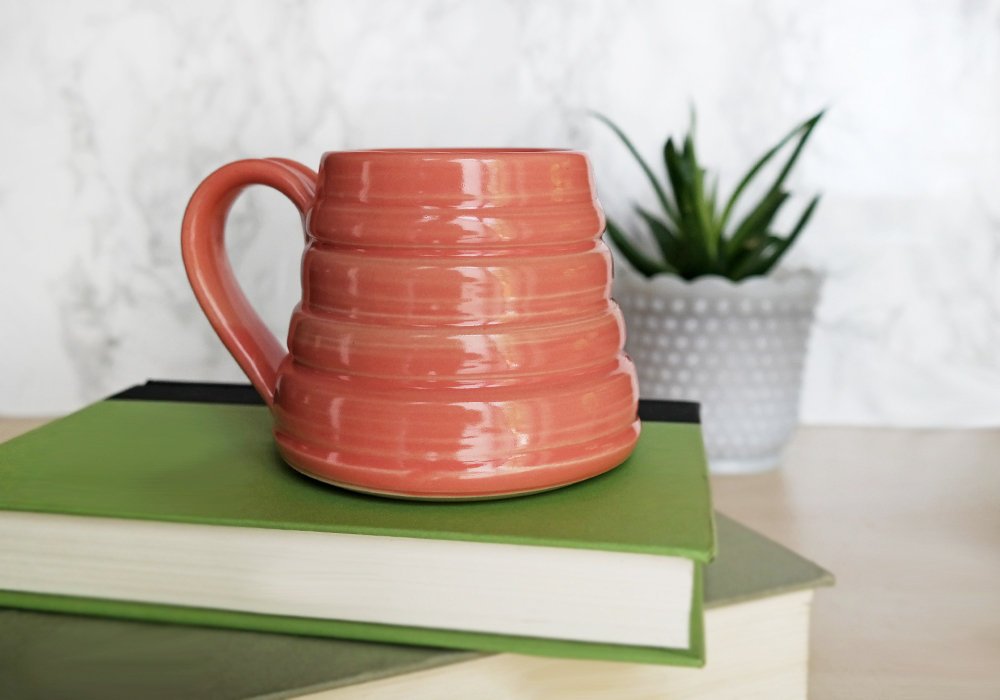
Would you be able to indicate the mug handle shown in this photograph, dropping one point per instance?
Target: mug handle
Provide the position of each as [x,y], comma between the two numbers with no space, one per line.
[240,328]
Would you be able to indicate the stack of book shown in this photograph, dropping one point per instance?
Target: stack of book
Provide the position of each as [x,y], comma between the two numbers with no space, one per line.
[153,545]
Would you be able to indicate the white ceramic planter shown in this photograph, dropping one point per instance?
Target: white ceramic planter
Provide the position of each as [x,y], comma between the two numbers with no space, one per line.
[737,348]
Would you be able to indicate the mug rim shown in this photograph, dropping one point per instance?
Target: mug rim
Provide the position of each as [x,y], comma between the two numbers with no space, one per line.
[466,178]
[453,152]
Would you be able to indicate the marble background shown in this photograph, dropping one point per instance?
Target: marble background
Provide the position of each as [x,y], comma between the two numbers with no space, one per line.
[112,112]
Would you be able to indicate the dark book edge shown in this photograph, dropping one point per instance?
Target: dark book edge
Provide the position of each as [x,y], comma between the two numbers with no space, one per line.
[654,410]
[426,637]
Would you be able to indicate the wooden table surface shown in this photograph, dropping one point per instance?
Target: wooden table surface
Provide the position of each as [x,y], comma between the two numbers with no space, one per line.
[909,522]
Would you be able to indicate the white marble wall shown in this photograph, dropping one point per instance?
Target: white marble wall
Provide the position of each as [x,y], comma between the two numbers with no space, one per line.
[111,112]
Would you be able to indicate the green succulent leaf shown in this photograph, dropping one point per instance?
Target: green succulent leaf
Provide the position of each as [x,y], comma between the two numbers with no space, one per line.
[661,194]
[754,259]
[666,238]
[644,264]
[692,237]
[792,236]
[757,223]
[686,179]
[713,197]
[803,131]
[775,248]
[678,177]
[699,200]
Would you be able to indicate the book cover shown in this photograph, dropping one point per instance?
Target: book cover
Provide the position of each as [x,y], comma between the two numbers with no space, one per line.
[206,462]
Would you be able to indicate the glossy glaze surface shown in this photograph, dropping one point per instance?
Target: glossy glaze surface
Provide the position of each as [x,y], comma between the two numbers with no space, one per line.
[456,336]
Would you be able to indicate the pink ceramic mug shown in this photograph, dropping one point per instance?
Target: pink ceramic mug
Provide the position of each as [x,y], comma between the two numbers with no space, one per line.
[456,337]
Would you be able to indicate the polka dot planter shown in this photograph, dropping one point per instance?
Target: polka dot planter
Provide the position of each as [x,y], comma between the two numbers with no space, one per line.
[737,348]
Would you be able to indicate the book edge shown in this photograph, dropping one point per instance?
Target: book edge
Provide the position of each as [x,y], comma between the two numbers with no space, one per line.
[315,689]
[360,631]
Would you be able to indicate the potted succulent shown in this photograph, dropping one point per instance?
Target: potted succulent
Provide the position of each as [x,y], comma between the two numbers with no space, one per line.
[711,317]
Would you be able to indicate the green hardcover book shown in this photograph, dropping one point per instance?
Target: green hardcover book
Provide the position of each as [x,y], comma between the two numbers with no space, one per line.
[181,511]
[757,613]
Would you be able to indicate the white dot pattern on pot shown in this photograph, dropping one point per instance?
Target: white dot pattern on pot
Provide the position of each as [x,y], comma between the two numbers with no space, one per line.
[739,354]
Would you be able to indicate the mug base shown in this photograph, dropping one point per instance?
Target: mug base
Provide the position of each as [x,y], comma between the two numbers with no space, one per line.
[406,496]
[428,482]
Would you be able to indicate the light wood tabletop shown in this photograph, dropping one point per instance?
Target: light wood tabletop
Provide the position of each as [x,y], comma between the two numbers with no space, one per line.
[10,427]
[909,522]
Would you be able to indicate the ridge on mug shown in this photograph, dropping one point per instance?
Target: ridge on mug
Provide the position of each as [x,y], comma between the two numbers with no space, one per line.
[456,336]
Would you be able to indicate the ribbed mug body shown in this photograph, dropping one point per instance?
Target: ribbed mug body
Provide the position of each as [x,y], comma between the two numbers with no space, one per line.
[456,337]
